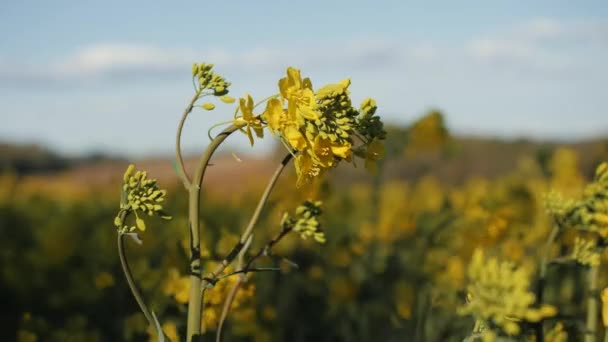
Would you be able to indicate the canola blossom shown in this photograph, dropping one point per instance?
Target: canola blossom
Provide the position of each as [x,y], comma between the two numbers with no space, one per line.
[321,128]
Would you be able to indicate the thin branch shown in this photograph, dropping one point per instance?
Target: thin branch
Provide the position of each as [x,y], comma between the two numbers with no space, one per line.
[181,170]
[249,229]
[134,290]
[266,249]
[256,215]
[249,270]
[233,291]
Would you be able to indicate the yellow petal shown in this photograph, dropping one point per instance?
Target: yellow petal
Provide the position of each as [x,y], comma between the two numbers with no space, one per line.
[249,135]
[342,151]
[294,77]
[259,131]
[273,114]
[294,137]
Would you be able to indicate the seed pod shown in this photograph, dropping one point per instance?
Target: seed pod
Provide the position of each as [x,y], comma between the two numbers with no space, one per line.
[141,225]
[208,106]
[227,99]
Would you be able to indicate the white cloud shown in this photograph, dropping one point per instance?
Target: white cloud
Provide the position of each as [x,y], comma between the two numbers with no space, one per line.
[542,44]
[118,62]
[103,58]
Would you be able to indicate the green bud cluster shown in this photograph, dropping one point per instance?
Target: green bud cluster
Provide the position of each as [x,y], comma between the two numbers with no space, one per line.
[208,79]
[305,222]
[139,194]
[557,205]
[369,125]
[337,116]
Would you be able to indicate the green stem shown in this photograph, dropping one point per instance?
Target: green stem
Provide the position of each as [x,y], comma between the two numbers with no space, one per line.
[134,290]
[546,250]
[592,305]
[266,249]
[249,229]
[233,291]
[249,270]
[181,170]
[540,289]
[258,210]
[194,189]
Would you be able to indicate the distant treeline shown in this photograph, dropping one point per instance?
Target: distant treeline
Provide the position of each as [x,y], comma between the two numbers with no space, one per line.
[31,158]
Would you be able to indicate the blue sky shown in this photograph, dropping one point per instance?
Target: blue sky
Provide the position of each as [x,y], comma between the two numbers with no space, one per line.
[81,76]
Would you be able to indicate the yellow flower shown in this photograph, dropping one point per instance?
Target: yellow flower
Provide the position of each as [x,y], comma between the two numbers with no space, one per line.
[170,330]
[325,151]
[299,95]
[274,114]
[306,169]
[177,286]
[103,280]
[294,137]
[252,121]
[293,83]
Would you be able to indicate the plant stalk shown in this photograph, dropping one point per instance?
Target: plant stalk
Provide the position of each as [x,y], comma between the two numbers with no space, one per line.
[134,290]
[181,170]
[540,289]
[194,189]
[233,291]
[592,305]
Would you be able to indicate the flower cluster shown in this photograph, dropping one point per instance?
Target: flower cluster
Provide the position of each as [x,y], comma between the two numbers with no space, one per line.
[556,205]
[139,194]
[499,295]
[585,252]
[322,127]
[305,222]
[590,213]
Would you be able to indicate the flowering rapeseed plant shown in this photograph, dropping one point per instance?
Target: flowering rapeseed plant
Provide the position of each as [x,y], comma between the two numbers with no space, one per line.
[500,296]
[319,128]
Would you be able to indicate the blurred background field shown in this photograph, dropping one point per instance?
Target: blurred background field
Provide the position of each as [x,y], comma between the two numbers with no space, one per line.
[393,267]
